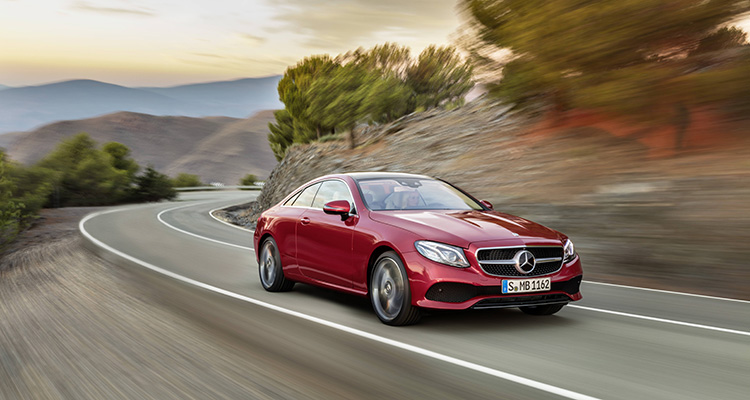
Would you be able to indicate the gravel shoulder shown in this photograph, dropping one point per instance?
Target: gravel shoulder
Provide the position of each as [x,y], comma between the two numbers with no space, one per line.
[73,326]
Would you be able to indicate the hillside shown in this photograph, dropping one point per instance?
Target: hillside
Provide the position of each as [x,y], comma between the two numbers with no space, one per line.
[28,107]
[218,149]
[674,223]
[224,154]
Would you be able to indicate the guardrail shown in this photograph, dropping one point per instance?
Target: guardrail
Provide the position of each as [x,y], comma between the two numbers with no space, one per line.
[233,187]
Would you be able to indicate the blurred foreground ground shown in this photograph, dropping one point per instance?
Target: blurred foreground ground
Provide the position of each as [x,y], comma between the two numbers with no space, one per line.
[73,326]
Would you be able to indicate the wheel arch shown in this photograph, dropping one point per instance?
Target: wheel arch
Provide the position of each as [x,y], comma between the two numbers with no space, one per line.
[260,244]
[374,256]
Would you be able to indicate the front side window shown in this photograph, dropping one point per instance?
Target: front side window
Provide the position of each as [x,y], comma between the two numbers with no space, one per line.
[332,190]
[414,194]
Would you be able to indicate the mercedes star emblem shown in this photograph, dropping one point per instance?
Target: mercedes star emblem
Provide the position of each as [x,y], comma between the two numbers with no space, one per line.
[525,261]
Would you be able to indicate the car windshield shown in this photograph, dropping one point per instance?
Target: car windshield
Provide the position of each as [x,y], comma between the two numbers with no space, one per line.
[414,194]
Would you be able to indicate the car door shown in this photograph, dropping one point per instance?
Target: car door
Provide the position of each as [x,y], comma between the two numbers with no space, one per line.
[324,241]
[284,226]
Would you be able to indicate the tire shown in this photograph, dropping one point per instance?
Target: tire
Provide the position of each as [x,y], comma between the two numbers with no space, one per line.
[548,309]
[269,268]
[390,293]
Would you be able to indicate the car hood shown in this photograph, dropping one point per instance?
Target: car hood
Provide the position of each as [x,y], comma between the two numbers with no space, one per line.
[460,228]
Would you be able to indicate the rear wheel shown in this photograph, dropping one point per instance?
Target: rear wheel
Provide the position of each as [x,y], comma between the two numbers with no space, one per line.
[390,293]
[271,274]
[548,309]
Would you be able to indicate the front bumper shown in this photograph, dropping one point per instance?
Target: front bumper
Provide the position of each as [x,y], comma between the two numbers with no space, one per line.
[439,286]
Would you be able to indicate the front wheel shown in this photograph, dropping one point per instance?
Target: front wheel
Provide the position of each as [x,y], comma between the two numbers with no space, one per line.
[548,309]
[390,293]
[271,275]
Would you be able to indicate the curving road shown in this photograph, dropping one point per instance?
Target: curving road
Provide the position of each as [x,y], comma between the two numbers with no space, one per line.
[617,343]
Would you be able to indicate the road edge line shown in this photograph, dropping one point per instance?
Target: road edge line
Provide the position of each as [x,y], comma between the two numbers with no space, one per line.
[668,291]
[158,217]
[663,320]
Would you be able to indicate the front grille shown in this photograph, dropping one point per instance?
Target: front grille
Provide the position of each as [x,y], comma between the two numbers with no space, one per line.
[507,268]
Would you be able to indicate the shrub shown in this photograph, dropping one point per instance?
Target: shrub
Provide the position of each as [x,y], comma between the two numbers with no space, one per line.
[248,180]
[187,180]
[153,186]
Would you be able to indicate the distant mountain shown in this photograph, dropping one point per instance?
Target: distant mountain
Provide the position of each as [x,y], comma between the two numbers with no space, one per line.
[25,108]
[232,98]
[218,149]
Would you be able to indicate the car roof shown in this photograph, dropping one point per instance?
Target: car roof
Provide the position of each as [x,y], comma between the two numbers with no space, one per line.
[358,176]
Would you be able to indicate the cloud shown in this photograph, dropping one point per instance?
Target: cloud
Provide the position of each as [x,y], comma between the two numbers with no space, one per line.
[208,55]
[252,39]
[221,61]
[347,23]
[86,6]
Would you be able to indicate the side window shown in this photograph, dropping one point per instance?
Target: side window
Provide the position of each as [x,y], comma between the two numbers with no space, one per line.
[332,190]
[290,200]
[305,198]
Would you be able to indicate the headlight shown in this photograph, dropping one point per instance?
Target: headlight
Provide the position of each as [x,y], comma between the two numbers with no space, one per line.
[442,253]
[570,251]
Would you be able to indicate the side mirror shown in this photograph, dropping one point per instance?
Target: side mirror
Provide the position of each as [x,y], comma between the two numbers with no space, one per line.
[338,207]
[486,204]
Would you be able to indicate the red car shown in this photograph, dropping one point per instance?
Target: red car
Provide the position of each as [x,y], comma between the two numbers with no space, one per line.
[412,242]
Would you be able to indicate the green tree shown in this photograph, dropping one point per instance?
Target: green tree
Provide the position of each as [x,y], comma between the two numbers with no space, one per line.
[325,96]
[84,175]
[10,208]
[120,158]
[386,59]
[23,192]
[152,186]
[627,57]
[293,92]
[439,77]
[186,180]
[282,133]
[388,98]
[387,95]
[32,188]
[339,98]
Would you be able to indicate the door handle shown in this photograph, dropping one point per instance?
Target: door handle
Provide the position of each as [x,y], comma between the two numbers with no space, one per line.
[304,220]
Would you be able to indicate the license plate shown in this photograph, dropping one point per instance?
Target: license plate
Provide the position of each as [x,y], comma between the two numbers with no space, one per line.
[526,285]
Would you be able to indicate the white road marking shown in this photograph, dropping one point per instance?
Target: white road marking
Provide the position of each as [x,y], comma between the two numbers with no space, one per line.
[357,332]
[158,216]
[669,292]
[668,321]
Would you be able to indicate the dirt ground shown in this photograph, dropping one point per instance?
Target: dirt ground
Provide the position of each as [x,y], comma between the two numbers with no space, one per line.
[73,326]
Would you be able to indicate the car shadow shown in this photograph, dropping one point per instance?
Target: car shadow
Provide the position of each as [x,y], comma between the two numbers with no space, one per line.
[505,319]
[345,299]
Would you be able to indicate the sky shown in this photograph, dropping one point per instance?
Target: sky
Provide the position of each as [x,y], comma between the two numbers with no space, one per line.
[172,42]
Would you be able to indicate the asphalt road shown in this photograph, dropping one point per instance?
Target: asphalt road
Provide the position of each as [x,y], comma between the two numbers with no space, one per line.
[617,343]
